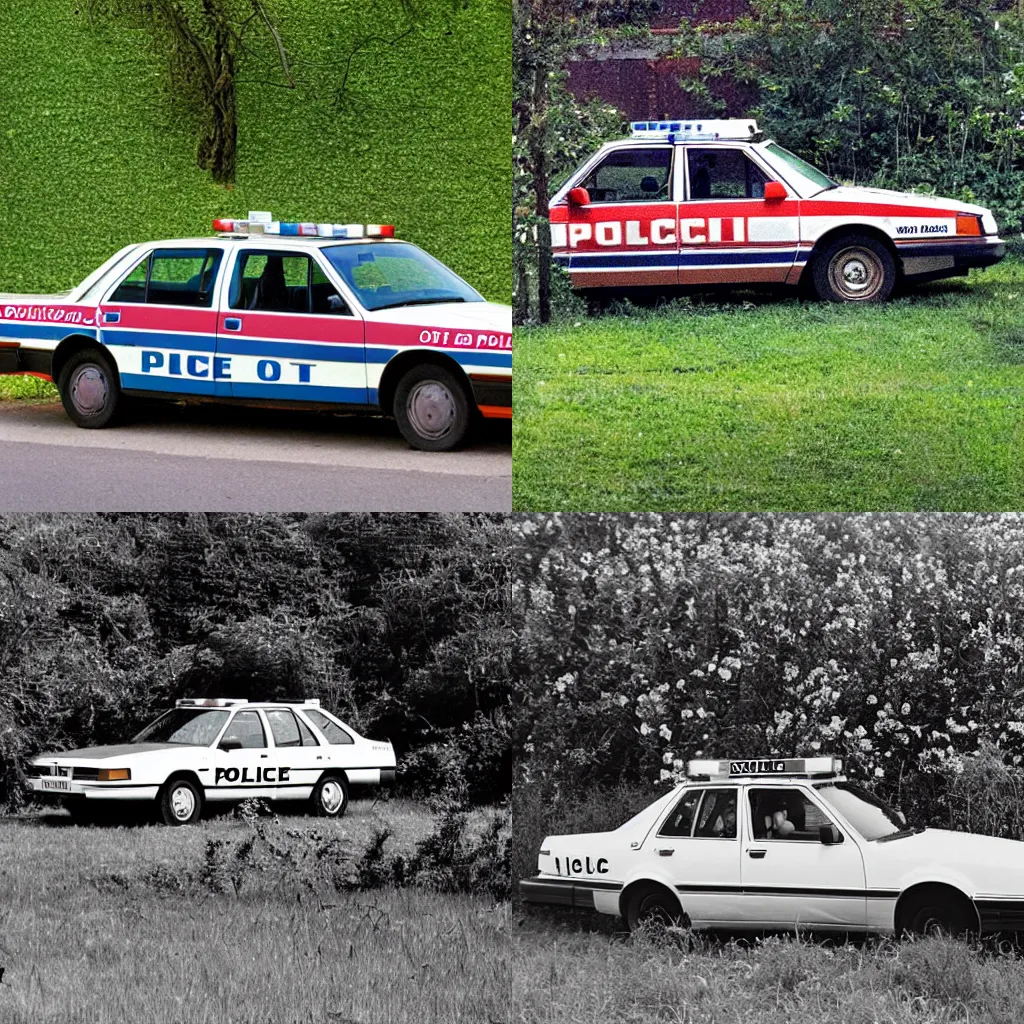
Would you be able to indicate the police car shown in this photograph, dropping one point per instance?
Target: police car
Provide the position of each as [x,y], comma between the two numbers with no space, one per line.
[714,202]
[784,845]
[334,317]
[220,751]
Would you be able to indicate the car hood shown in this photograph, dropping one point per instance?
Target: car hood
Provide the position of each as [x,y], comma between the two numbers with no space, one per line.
[984,864]
[119,751]
[489,316]
[857,194]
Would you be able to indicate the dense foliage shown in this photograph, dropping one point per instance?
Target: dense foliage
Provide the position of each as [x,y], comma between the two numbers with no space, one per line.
[907,94]
[893,641]
[399,623]
[99,144]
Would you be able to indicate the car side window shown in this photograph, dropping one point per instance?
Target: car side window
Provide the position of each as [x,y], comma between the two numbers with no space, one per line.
[680,821]
[285,727]
[283,282]
[785,814]
[638,175]
[716,818]
[171,277]
[717,173]
[308,739]
[247,728]
[333,733]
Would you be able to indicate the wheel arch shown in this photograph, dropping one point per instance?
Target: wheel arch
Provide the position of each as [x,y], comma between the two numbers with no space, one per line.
[333,770]
[944,891]
[645,883]
[183,773]
[867,230]
[405,361]
[76,343]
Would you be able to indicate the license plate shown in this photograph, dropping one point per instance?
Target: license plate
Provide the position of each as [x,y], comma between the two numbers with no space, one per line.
[61,784]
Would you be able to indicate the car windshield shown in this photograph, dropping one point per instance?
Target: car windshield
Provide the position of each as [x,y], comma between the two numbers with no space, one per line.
[871,817]
[809,181]
[193,727]
[388,274]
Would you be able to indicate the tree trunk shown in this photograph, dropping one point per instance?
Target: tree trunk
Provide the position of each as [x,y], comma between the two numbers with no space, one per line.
[539,168]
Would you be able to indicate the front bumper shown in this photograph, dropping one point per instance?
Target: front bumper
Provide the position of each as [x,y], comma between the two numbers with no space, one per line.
[73,789]
[949,258]
[14,359]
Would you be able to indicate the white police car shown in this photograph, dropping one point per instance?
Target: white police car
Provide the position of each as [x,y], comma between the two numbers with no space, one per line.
[220,751]
[690,203]
[784,845]
[333,317]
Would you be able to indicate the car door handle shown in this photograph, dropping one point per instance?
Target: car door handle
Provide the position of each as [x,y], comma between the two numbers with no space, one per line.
[664,853]
[756,854]
[111,318]
[232,323]
[263,755]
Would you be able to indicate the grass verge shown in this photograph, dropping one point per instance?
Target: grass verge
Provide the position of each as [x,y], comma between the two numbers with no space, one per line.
[86,935]
[757,403]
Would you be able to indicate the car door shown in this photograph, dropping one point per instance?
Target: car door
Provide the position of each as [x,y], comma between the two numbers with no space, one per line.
[728,231]
[790,878]
[245,764]
[160,325]
[697,845]
[626,234]
[285,333]
[300,757]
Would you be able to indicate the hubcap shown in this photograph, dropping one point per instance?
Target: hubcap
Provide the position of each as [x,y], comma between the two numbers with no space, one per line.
[653,912]
[431,409]
[183,803]
[89,389]
[856,274]
[331,796]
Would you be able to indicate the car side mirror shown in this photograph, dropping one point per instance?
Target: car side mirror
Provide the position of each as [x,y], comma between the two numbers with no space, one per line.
[774,191]
[829,835]
[232,743]
[578,196]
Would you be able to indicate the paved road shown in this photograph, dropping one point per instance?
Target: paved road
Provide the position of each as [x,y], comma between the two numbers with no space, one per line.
[207,458]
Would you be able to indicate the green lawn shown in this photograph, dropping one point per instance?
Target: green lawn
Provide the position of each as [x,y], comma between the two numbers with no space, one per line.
[106,925]
[746,402]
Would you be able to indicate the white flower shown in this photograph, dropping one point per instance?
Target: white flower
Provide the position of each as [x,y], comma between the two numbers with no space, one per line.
[872,699]
[879,773]
[644,728]
[905,710]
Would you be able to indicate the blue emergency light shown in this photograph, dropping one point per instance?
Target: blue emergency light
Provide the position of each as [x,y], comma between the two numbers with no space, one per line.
[695,131]
[262,224]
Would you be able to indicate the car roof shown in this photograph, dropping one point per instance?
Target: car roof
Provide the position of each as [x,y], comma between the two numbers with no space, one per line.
[266,241]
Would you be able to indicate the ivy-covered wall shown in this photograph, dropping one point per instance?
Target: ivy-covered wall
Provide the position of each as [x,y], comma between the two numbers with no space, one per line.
[96,153]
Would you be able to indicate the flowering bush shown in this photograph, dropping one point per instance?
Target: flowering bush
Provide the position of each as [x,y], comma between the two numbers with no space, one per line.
[892,641]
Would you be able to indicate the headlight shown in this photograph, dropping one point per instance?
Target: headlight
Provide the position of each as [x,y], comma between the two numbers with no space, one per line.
[114,775]
[989,225]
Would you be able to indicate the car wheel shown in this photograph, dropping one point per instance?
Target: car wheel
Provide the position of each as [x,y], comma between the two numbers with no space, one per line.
[431,408]
[932,916]
[854,269]
[653,905]
[90,388]
[330,797]
[180,802]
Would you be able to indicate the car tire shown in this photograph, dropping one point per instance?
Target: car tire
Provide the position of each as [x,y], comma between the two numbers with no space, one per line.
[431,408]
[330,797]
[180,802]
[90,388]
[649,904]
[934,915]
[854,268]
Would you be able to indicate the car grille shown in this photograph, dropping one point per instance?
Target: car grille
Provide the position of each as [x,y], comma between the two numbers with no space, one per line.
[86,773]
[37,771]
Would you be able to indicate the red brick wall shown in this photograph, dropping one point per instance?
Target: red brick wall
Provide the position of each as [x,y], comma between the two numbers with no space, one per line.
[673,11]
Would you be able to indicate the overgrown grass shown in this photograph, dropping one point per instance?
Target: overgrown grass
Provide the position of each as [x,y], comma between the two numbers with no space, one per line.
[752,402]
[90,930]
[27,388]
[565,972]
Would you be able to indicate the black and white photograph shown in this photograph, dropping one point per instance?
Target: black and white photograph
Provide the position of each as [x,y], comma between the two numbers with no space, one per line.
[771,770]
[254,769]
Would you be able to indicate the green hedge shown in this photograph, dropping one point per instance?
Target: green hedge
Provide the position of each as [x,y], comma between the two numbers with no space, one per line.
[95,153]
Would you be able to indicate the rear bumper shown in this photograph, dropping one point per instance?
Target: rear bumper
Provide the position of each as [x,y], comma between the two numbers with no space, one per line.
[493,396]
[946,259]
[17,360]
[569,892]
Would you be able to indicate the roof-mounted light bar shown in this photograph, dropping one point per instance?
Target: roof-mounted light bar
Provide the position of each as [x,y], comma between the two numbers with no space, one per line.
[208,702]
[259,223]
[770,766]
[695,131]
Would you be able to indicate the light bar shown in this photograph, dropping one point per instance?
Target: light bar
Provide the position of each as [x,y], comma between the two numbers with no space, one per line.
[207,702]
[694,131]
[795,766]
[261,224]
